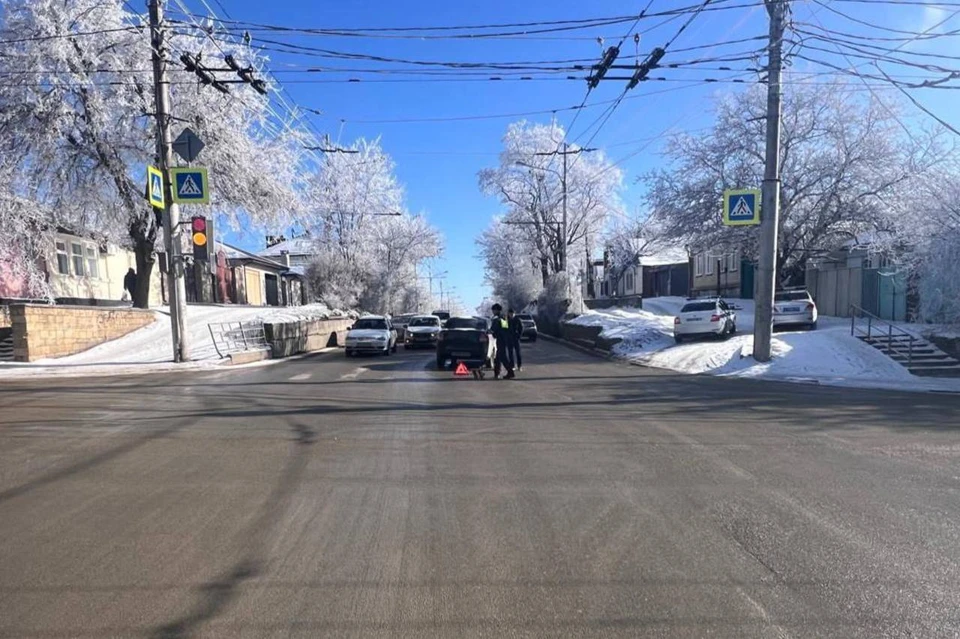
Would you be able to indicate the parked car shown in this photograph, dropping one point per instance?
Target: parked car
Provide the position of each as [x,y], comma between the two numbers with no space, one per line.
[529,327]
[795,307]
[443,315]
[466,339]
[371,334]
[704,318]
[422,331]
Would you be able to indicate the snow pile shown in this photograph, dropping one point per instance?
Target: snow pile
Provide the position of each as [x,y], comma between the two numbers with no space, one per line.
[152,344]
[828,355]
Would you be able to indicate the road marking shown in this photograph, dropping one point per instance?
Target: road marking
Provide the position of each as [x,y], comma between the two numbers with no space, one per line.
[357,372]
[301,377]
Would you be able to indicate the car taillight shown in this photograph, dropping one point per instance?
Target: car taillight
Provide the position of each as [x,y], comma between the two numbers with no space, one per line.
[714,318]
[676,320]
[810,306]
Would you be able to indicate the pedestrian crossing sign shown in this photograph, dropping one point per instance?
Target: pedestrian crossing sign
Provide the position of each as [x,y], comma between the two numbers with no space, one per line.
[190,186]
[741,207]
[155,187]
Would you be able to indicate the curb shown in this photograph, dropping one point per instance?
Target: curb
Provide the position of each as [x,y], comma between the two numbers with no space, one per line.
[596,352]
[248,357]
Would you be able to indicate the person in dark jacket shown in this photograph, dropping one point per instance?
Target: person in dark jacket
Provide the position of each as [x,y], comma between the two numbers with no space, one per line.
[130,282]
[500,327]
[516,331]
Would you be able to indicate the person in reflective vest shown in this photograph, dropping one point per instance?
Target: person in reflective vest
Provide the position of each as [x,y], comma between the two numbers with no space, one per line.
[500,327]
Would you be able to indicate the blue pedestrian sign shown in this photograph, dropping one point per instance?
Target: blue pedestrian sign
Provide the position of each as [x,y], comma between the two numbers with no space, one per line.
[190,186]
[741,207]
[155,187]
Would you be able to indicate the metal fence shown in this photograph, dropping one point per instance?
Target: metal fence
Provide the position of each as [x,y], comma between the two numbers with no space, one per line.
[235,337]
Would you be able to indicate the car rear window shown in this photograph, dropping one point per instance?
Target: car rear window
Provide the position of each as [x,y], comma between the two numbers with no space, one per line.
[466,322]
[695,307]
[791,296]
[371,324]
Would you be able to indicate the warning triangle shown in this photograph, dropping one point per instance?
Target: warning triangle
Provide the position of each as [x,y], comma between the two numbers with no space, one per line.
[461,370]
[189,187]
[742,210]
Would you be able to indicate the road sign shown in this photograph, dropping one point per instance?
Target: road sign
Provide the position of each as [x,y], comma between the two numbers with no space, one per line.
[190,186]
[741,207]
[462,370]
[188,145]
[155,187]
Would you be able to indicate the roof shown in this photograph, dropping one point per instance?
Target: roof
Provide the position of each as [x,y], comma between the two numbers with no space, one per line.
[235,253]
[296,246]
[674,255]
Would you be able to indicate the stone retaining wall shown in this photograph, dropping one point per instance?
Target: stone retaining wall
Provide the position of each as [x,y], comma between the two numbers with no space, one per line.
[290,338]
[42,331]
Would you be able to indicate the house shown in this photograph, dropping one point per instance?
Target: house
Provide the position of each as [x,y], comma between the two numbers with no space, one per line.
[248,278]
[82,270]
[858,275]
[666,272]
[722,272]
[296,252]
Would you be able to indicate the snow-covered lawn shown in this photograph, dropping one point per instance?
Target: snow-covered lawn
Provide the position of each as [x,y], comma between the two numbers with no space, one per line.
[828,355]
[152,345]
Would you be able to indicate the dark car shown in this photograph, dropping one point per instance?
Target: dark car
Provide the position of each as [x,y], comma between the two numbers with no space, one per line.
[466,339]
[529,327]
[443,315]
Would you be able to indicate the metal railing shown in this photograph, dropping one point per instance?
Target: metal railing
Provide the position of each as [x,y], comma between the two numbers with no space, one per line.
[235,337]
[878,329]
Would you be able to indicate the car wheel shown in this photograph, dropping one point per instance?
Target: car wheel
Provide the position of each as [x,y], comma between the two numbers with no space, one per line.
[533,338]
[733,329]
[812,327]
[441,362]
[678,339]
[348,353]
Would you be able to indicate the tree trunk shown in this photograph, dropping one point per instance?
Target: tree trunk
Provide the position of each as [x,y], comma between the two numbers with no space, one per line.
[545,270]
[143,234]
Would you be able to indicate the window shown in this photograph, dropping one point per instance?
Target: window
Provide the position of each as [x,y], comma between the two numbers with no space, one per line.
[708,267]
[63,260]
[699,265]
[93,262]
[76,252]
[698,307]
[629,280]
[734,261]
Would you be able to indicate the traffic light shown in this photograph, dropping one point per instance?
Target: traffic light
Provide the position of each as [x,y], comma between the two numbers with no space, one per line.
[198,235]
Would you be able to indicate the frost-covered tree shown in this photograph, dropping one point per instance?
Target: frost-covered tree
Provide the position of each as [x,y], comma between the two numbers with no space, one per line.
[511,267]
[75,114]
[626,240]
[528,183]
[845,160]
[369,247]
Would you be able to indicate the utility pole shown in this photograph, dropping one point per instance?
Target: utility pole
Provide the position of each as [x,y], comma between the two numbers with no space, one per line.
[171,217]
[770,206]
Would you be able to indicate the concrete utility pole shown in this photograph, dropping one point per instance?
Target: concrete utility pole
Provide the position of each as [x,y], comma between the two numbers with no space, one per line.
[770,206]
[171,217]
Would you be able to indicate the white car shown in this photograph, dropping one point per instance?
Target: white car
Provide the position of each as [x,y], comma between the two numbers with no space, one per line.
[422,332]
[371,334]
[704,318]
[794,308]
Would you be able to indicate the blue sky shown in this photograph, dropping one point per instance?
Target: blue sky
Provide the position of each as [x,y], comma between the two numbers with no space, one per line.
[438,161]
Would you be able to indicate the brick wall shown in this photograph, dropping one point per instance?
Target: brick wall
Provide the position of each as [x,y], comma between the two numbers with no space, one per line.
[43,331]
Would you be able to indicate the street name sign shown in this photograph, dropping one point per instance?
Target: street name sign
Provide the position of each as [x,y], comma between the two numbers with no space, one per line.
[741,207]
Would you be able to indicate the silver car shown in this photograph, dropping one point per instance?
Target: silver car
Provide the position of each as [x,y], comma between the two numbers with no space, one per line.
[794,308]
[422,332]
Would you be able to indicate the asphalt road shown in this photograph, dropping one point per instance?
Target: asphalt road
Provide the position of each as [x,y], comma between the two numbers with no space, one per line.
[327,497]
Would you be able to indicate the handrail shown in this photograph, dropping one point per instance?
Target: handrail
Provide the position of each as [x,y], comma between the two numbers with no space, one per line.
[891,329]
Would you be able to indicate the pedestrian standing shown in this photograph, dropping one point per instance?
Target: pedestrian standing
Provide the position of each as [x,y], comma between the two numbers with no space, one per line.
[516,332]
[130,283]
[500,327]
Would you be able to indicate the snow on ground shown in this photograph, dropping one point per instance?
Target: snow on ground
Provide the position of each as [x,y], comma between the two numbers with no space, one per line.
[828,355]
[152,344]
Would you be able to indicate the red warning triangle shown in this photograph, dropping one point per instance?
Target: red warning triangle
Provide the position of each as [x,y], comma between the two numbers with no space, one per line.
[461,370]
